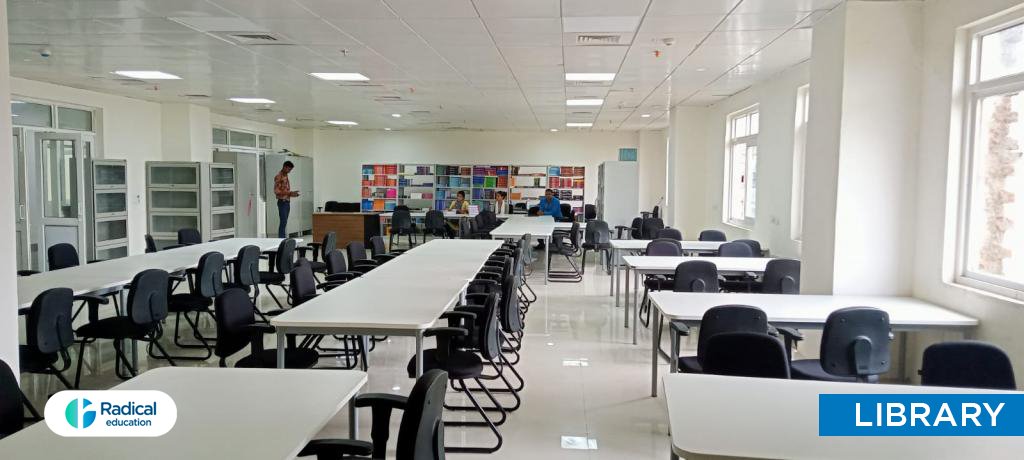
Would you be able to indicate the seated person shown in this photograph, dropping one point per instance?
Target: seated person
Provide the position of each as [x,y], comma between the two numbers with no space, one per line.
[550,206]
[500,205]
[460,205]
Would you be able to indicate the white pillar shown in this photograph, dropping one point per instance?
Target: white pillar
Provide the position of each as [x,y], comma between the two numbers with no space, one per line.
[687,165]
[185,132]
[8,278]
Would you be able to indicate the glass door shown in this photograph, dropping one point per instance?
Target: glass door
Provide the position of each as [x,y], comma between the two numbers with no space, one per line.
[56,198]
[20,204]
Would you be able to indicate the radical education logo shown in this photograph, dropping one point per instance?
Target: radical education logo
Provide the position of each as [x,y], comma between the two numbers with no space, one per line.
[113,413]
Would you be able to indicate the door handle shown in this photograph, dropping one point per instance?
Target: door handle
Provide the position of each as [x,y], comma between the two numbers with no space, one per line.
[21,212]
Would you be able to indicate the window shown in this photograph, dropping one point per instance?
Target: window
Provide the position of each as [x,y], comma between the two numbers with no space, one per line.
[31,114]
[74,119]
[803,98]
[241,140]
[741,168]
[992,217]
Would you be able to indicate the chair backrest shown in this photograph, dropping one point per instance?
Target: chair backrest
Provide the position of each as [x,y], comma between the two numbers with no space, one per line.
[12,418]
[48,324]
[746,354]
[150,244]
[332,206]
[696,276]
[566,209]
[597,232]
[656,212]
[147,297]
[233,310]
[189,236]
[669,233]
[664,248]
[650,227]
[574,234]
[61,255]
[247,265]
[589,212]
[855,342]
[729,318]
[735,249]
[635,228]
[421,431]
[356,251]
[209,282]
[488,338]
[377,246]
[967,364]
[285,256]
[755,246]
[434,220]
[712,235]
[401,219]
[490,217]
[329,243]
[335,261]
[533,211]
[402,207]
[301,282]
[781,276]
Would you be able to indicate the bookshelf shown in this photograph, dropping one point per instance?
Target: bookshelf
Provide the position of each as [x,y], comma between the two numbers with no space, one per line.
[379,187]
[528,184]
[450,180]
[416,185]
[488,180]
[568,183]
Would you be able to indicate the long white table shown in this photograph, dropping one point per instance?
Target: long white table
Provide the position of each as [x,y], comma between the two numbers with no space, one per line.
[402,297]
[638,247]
[222,413]
[385,217]
[658,265]
[804,311]
[539,227]
[712,416]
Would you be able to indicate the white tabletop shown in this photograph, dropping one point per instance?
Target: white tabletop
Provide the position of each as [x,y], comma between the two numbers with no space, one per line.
[652,264]
[732,417]
[636,245]
[568,225]
[517,226]
[422,214]
[407,293]
[113,273]
[222,413]
[904,312]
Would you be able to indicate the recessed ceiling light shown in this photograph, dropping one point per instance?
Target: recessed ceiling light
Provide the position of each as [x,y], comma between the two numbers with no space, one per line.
[589,76]
[646,115]
[340,76]
[701,69]
[554,130]
[584,102]
[396,115]
[387,129]
[147,74]
[342,123]
[281,120]
[579,125]
[251,100]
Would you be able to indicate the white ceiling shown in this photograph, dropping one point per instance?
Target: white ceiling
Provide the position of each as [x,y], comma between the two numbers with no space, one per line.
[452,64]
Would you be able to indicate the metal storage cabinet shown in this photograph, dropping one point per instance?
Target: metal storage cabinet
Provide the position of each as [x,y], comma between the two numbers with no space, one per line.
[173,199]
[618,189]
[107,209]
[247,190]
[218,189]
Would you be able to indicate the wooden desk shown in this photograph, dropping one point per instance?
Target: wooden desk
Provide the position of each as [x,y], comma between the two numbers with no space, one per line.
[350,226]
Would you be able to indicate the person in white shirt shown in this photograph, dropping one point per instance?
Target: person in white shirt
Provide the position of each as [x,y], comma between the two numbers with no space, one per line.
[500,205]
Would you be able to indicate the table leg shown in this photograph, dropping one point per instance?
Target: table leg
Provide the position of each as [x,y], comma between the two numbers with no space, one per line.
[615,275]
[547,262]
[364,341]
[419,354]
[611,279]
[655,341]
[626,304]
[281,342]
[903,358]
[673,354]
[353,419]
[636,303]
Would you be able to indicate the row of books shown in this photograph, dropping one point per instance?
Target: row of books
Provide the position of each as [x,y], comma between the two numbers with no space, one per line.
[418,196]
[528,181]
[380,169]
[378,205]
[491,182]
[443,170]
[567,195]
[418,170]
[448,194]
[490,170]
[379,193]
[413,183]
[484,194]
[565,182]
[446,181]
[567,171]
[379,181]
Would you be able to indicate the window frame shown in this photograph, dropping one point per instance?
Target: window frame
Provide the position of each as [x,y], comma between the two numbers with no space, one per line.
[749,140]
[968,105]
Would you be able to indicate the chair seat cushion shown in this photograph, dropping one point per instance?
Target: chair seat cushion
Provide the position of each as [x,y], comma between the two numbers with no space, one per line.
[596,246]
[294,358]
[31,360]
[810,369]
[690,365]
[188,302]
[236,286]
[461,364]
[318,266]
[659,283]
[734,285]
[116,327]
[271,278]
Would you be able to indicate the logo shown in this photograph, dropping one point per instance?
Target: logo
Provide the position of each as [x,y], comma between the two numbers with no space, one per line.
[76,414]
[112,413]
[932,414]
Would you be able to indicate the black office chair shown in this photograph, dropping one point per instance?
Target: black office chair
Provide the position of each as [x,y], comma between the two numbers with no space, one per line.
[189,236]
[534,211]
[150,244]
[567,214]
[237,328]
[589,212]
[357,260]
[332,206]
[712,235]
[61,255]
[281,262]
[695,276]
[735,249]
[597,238]
[716,320]
[746,354]
[656,212]
[337,269]
[755,247]
[12,400]
[48,335]
[634,229]
[145,311]
[657,248]
[204,284]
[379,252]
[669,234]
[854,348]
[736,283]
[246,272]
[401,224]
[318,250]
[566,245]
[435,225]
[650,227]
[420,433]
[781,276]
[967,364]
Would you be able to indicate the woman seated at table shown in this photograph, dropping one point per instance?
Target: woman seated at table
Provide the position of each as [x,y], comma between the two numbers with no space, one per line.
[501,207]
[460,205]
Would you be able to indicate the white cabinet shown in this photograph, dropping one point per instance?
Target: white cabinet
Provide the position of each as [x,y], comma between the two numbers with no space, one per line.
[218,187]
[173,191]
[108,209]
[618,189]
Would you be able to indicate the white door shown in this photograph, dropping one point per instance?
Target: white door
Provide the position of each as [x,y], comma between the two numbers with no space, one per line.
[57,193]
[20,204]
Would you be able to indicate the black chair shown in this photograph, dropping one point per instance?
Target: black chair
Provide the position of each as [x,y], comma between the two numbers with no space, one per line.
[967,364]
[695,276]
[189,236]
[737,283]
[237,328]
[854,348]
[145,311]
[568,246]
[596,238]
[669,234]
[567,214]
[755,247]
[12,418]
[434,224]
[246,271]
[48,335]
[735,249]
[656,212]
[281,262]
[712,235]
[634,229]
[746,354]
[781,276]
[204,285]
[589,212]
[401,224]
[61,255]
[378,250]
[420,433]
[150,244]
[357,260]
[657,248]
[716,320]
[650,227]
[327,244]
[337,269]
[332,206]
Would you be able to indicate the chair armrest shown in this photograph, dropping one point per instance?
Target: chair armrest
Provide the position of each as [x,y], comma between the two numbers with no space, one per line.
[303,249]
[381,400]
[479,297]
[92,299]
[336,448]
[342,276]
[177,277]
[790,333]
[258,329]
[381,258]
[458,314]
[27,272]
[365,263]
[330,284]
[445,332]
[679,328]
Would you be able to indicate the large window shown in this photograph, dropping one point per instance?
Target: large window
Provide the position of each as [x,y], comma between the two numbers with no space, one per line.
[803,98]
[741,168]
[992,236]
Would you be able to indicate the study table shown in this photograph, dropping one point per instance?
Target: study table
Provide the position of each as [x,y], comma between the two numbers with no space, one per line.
[800,311]
[222,413]
[538,227]
[659,265]
[640,246]
[404,296]
[713,416]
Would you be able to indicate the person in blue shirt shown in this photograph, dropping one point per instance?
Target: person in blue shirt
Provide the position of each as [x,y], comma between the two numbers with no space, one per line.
[550,206]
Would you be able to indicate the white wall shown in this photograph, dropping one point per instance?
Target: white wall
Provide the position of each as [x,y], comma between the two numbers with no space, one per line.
[8,279]
[651,155]
[687,165]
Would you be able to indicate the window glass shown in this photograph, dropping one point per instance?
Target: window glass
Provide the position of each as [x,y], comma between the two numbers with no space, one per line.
[220,136]
[741,163]
[31,114]
[1002,53]
[68,118]
[243,139]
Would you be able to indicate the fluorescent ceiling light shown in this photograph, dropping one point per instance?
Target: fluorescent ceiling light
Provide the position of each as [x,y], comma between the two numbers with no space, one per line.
[251,100]
[340,76]
[578,125]
[281,120]
[396,115]
[342,123]
[584,102]
[589,76]
[147,74]
[702,69]
[646,115]
[387,129]
[554,130]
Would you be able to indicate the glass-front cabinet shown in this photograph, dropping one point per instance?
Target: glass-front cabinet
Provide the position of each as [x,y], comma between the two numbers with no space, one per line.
[173,191]
[219,200]
[108,209]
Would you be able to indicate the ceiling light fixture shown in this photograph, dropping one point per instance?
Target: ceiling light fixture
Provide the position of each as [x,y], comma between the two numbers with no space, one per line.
[396,115]
[147,74]
[554,130]
[589,76]
[578,125]
[251,100]
[646,115]
[342,123]
[340,76]
[584,102]
[701,69]
[387,129]
[281,120]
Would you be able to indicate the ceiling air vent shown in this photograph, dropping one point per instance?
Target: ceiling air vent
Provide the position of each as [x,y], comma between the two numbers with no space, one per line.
[253,38]
[598,39]
[196,96]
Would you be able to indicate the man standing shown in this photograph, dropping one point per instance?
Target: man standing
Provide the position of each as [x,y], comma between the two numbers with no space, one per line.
[284,193]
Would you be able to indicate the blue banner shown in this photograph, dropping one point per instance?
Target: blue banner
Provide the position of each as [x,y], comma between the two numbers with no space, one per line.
[921,414]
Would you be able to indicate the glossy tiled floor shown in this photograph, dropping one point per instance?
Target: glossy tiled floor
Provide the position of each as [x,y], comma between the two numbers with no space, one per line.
[607,400]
